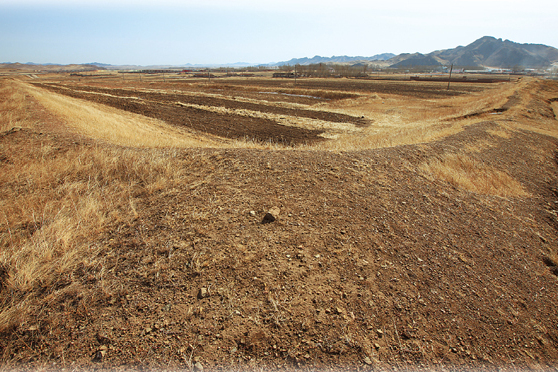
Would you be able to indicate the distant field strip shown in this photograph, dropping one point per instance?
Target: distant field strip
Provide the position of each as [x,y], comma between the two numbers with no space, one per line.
[291,121]
[221,102]
[117,127]
[225,125]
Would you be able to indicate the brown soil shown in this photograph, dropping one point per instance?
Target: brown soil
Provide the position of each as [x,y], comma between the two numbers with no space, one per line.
[399,87]
[370,264]
[165,107]
[173,98]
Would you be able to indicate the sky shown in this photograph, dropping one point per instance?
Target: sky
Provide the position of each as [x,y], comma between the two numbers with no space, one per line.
[173,32]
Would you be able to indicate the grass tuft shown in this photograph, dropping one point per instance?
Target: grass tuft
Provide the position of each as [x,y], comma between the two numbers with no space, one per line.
[471,174]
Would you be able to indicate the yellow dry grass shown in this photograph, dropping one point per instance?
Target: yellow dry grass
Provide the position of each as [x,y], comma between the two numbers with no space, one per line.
[500,132]
[523,117]
[63,202]
[55,204]
[401,120]
[473,175]
[122,128]
[12,113]
[116,126]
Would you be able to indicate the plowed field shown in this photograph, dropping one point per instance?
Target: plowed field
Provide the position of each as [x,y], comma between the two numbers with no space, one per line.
[441,253]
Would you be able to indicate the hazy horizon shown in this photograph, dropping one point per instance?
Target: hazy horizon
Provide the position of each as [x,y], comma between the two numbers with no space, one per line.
[128,32]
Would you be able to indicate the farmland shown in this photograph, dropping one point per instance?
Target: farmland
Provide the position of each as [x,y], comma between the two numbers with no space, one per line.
[415,225]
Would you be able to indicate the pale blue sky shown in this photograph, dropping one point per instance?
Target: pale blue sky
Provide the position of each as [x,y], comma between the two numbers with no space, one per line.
[173,32]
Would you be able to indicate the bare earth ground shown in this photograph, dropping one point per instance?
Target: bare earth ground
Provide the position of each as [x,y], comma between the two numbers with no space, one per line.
[372,263]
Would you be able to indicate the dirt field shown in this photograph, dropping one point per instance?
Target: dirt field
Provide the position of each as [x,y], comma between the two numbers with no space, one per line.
[415,227]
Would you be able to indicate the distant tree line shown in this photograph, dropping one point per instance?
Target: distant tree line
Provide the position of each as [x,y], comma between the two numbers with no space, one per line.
[328,70]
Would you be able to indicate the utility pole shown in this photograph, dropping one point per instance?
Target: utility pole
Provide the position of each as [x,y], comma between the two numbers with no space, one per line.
[449,80]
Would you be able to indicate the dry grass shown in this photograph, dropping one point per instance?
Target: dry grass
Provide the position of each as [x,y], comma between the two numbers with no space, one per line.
[118,127]
[62,204]
[123,128]
[56,203]
[403,120]
[472,174]
[500,132]
[533,112]
[12,113]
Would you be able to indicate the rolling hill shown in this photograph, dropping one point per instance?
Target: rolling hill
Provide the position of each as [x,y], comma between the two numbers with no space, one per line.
[489,51]
[484,52]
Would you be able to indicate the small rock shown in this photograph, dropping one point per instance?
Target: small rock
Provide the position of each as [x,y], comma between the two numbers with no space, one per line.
[203,293]
[268,218]
[102,338]
[198,367]
[377,346]
[252,214]
[271,215]
[380,332]
[367,361]
[100,354]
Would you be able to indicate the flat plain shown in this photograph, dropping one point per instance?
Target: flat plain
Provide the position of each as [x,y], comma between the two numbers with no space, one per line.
[415,225]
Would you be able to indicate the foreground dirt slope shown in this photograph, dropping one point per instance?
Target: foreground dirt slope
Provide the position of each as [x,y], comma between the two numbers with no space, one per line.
[371,263]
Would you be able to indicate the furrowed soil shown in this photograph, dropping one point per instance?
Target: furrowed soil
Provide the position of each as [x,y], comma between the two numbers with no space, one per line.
[437,255]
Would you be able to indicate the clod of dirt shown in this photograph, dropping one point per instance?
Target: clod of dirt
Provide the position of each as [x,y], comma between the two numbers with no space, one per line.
[271,215]
[3,276]
[100,354]
[198,367]
[203,293]
[103,339]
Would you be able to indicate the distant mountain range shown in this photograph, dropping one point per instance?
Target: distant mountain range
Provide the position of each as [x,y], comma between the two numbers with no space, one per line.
[334,59]
[484,52]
